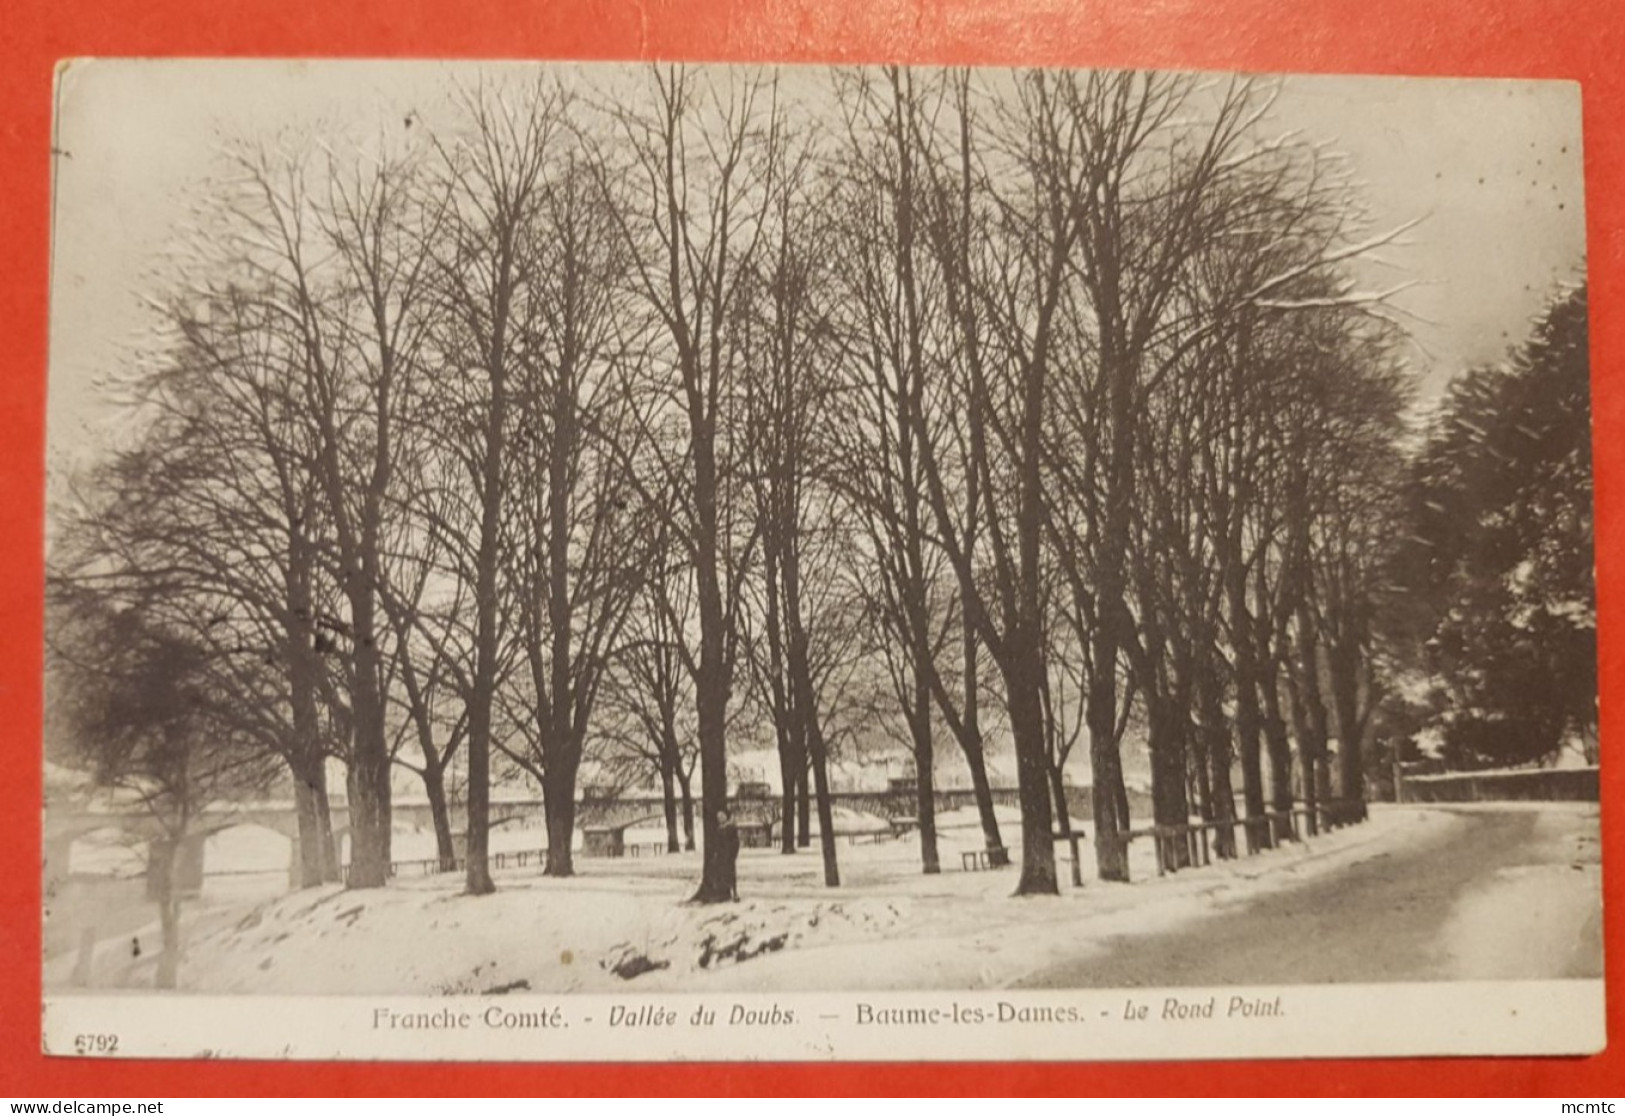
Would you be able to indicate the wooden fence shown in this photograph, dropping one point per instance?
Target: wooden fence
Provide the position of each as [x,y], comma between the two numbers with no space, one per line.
[1196,844]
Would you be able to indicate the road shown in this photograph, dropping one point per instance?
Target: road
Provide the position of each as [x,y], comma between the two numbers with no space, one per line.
[1497,894]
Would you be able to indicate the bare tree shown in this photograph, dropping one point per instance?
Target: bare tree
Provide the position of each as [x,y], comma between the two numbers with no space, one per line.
[1003,233]
[1356,531]
[213,515]
[346,271]
[580,542]
[704,161]
[648,699]
[427,608]
[789,350]
[487,263]
[897,303]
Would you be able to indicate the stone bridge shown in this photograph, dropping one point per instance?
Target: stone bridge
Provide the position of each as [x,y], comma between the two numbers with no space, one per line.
[618,811]
[65,824]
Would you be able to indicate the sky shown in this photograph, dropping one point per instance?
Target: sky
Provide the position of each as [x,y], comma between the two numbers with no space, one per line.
[1491,171]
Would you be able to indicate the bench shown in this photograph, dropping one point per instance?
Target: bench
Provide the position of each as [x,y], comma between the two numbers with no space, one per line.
[1074,838]
[1258,833]
[1199,848]
[1192,838]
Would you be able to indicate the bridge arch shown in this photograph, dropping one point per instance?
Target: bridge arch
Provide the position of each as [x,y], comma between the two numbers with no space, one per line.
[108,850]
[249,846]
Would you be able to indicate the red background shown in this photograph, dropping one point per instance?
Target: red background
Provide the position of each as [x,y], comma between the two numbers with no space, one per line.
[1581,40]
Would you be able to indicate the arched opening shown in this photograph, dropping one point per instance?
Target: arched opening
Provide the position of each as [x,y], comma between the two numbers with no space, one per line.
[245,861]
[111,852]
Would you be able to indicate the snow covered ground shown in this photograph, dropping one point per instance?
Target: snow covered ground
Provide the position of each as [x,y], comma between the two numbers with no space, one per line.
[622,925]
[1533,916]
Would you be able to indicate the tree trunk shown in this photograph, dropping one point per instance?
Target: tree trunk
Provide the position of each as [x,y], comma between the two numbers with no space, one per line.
[1108,796]
[169,960]
[1169,804]
[1345,676]
[1196,742]
[668,800]
[1196,780]
[369,782]
[970,721]
[792,759]
[972,745]
[997,854]
[1105,765]
[1280,755]
[1323,778]
[790,774]
[1165,691]
[317,862]
[1025,668]
[434,786]
[1221,796]
[165,858]
[684,782]
[924,781]
[804,805]
[808,734]
[559,800]
[477,880]
[1248,720]
[1027,726]
[369,823]
[567,705]
[712,698]
[1063,820]
[826,810]
[318,859]
[1313,744]
[483,689]
[712,678]
[1306,753]
[310,853]
[324,825]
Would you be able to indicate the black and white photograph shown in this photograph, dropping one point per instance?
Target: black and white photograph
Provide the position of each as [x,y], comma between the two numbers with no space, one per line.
[555,549]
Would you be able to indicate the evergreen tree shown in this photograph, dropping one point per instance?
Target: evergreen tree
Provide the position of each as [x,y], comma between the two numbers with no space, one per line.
[1499,559]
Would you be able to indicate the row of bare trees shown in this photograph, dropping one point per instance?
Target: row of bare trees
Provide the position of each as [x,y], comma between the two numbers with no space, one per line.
[607,424]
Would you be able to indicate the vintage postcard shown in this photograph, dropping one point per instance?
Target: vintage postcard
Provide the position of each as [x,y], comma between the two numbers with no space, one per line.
[581,562]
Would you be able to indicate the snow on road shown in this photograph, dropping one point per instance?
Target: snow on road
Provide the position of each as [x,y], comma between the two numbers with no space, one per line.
[622,925]
[1477,893]
[1539,916]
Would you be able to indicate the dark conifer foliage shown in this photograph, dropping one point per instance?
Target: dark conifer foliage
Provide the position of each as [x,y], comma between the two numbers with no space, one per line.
[1497,565]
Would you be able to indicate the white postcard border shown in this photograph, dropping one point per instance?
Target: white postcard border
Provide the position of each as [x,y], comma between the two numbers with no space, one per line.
[1564,1017]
